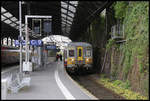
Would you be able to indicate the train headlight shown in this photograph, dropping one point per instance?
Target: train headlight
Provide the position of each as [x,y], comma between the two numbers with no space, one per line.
[72,59]
[87,59]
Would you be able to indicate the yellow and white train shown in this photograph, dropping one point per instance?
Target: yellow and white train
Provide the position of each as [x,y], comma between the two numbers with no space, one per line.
[78,55]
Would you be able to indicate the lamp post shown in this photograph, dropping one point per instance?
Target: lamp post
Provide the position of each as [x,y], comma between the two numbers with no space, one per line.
[20,29]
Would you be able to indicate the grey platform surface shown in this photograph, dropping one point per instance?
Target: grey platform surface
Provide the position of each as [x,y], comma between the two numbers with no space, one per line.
[51,82]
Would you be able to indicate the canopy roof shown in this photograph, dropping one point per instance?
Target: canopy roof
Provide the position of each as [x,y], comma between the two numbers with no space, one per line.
[68,17]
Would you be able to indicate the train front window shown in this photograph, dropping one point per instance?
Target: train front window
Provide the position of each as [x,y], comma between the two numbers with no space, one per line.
[79,52]
[88,53]
[71,53]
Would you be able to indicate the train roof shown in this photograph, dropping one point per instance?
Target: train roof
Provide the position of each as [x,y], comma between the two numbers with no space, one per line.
[8,47]
[79,44]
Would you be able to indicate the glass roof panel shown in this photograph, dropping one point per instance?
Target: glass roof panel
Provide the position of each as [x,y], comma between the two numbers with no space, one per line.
[70,14]
[63,25]
[23,25]
[3,10]
[7,21]
[14,19]
[64,19]
[8,14]
[71,19]
[63,15]
[67,26]
[66,23]
[74,2]
[17,27]
[69,22]
[17,22]
[72,9]
[67,31]
[103,13]
[64,5]
[2,18]
[63,22]
[13,24]
[64,10]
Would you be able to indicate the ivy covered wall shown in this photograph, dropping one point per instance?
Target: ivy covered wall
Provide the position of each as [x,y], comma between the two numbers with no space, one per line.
[130,60]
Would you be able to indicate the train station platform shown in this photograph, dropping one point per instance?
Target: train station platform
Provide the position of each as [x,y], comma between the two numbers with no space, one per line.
[51,82]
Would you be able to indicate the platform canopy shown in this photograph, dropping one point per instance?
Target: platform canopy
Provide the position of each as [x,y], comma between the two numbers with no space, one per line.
[68,17]
[58,40]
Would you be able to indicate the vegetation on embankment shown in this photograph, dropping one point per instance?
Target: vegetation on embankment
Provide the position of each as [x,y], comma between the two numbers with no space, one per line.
[121,88]
[130,60]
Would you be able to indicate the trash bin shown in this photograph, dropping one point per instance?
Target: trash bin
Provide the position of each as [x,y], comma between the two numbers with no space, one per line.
[3,88]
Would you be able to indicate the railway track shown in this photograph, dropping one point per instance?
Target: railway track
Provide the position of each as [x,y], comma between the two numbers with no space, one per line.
[98,90]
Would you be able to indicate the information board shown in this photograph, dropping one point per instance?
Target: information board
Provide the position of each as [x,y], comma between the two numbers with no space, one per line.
[48,47]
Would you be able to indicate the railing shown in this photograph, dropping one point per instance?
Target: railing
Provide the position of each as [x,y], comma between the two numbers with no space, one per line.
[117,32]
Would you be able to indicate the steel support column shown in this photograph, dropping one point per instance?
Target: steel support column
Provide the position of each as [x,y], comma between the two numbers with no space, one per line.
[1,41]
[20,29]
[11,42]
[7,41]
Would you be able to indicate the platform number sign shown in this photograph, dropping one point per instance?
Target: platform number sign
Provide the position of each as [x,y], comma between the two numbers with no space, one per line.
[17,43]
[36,42]
[39,42]
[23,42]
[32,42]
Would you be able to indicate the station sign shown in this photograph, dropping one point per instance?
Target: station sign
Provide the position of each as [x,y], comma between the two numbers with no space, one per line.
[32,42]
[48,47]
[17,43]
[36,42]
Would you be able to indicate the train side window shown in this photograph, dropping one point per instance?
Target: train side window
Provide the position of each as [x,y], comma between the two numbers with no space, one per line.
[88,53]
[71,53]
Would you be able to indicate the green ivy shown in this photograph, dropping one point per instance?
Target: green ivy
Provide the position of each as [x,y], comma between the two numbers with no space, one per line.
[137,30]
[120,9]
[135,17]
[109,44]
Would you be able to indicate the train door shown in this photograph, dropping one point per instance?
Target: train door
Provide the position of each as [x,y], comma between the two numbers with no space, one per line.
[71,56]
[80,54]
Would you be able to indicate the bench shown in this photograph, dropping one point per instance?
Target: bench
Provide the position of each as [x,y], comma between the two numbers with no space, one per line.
[17,82]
